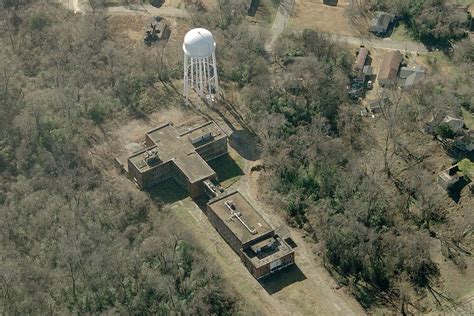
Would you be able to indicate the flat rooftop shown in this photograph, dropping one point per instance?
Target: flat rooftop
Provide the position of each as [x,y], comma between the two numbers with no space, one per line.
[180,147]
[139,158]
[278,250]
[242,219]
[194,167]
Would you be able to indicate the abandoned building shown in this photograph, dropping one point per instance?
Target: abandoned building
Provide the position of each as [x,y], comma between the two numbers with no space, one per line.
[261,249]
[448,177]
[380,23]
[466,141]
[181,155]
[455,124]
[389,70]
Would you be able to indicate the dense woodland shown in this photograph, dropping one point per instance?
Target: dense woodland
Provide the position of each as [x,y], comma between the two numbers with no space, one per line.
[72,239]
[436,22]
[75,240]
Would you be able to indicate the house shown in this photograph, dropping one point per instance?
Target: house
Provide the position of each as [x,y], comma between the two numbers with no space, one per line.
[180,155]
[448,177]
[380,23]
[389,69]
[261,249]
[411,75]
[361,59]
[465,142]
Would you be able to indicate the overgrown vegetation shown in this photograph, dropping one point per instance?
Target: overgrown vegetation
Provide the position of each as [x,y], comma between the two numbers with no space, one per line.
[73,239]
[375,218]
[431,21]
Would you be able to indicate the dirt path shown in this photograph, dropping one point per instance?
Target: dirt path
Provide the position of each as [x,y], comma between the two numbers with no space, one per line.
[77,6]
[280,22]
[382,43]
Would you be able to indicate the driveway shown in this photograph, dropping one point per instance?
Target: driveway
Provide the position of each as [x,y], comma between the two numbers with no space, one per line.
[280,22]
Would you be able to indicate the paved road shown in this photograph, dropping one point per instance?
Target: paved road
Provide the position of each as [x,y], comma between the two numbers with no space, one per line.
[149,9]
[284,13]
[280,22]
[278,26]
[82,6]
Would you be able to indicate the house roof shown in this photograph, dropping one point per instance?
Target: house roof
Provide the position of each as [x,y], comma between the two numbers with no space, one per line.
[413,79]
[380,22]
[405,72]
[368,70]
[391,63]
[361,58]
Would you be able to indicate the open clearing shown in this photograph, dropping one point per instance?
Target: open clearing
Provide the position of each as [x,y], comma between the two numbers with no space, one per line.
[313,14]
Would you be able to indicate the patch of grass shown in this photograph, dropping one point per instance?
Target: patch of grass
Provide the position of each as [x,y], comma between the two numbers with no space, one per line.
[227,169]
[468,119]
[465,2]
[168,191]
[401,33]
[113,3]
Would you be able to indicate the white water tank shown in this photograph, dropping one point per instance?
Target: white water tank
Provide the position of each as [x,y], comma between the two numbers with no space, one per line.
[200,68]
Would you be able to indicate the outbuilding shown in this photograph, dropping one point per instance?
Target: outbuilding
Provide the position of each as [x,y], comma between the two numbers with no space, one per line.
[380,23]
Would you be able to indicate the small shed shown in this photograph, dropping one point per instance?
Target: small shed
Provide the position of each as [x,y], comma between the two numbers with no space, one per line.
[380,23]
[376,106]
[368,70]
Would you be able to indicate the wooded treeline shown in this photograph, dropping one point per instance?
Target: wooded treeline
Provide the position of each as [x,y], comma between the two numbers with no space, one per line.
[432,21]
[72,238]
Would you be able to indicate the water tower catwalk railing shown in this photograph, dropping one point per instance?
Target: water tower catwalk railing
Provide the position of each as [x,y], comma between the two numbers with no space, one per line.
[200,67]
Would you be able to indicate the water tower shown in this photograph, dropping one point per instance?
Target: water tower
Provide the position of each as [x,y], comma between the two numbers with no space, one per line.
[200,68]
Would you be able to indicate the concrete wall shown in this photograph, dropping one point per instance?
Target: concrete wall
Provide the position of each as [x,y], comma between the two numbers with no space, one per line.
[265,269]
[213,149]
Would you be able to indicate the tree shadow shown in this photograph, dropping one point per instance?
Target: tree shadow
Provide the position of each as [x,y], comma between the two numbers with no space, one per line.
[225,167]
[168,191]
[246,144]
[157,3]
[277,281]
[252,10]
[455,190]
